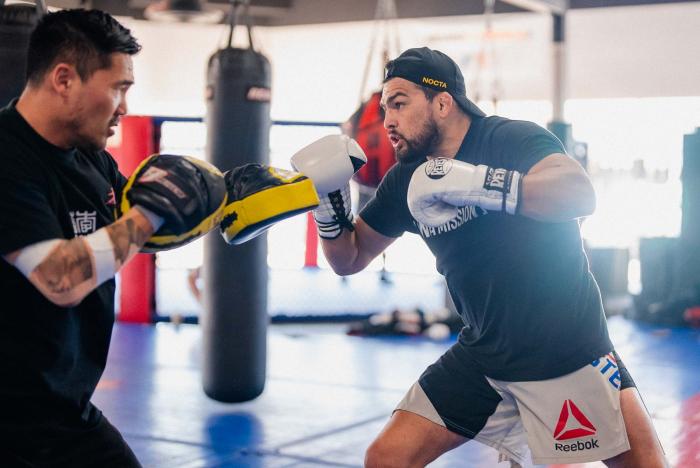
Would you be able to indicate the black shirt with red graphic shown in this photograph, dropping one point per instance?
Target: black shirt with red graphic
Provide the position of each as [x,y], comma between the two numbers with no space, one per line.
[523,288]
[51,357]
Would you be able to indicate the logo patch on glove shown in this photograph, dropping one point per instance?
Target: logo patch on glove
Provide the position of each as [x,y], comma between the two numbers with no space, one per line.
[498,179]
[160,176]
[153,174]
[438,168]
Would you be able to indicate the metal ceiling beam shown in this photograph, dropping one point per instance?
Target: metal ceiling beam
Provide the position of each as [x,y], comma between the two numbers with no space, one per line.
[302,12]
[557,7]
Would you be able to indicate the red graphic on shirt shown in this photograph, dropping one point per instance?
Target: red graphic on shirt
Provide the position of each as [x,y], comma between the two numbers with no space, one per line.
[111,198]
[586,428]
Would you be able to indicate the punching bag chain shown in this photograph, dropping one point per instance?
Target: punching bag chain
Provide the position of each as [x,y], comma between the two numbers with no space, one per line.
[384,17]
[236,6]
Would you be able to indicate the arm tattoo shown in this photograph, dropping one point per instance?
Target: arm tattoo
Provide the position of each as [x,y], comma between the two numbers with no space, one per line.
[67,267]
[128,238]
[68,274]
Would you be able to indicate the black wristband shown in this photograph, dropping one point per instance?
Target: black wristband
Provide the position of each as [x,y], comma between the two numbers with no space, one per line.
[520,195]
[507,181]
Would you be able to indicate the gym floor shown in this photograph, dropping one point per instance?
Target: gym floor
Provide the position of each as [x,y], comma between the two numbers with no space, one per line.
[328,394]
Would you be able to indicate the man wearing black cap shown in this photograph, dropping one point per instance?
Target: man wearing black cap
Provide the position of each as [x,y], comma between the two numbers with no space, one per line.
[497,201]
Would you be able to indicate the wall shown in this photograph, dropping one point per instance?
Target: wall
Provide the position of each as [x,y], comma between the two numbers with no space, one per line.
[637,51]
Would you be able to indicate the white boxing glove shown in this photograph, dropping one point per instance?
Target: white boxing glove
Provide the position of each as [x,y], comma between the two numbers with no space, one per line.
[439,187]
[330,163]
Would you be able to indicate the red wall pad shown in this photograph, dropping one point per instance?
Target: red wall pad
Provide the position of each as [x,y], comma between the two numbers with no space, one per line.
[137,297]
[311,254]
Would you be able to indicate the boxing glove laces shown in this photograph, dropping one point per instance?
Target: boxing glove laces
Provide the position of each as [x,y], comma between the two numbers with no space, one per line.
[330,163]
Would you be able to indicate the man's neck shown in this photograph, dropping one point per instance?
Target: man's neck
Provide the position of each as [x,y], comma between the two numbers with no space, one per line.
[39,113]
[451,137]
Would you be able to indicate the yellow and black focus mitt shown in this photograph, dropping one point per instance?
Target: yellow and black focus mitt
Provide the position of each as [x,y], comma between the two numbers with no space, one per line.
[259,196]
[188,193]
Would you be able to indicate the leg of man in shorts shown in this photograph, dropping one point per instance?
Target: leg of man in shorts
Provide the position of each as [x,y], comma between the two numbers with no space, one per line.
[645,447]
[575,418]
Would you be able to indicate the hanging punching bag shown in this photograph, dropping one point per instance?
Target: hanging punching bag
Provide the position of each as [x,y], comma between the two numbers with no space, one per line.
[16,24]
[234,324]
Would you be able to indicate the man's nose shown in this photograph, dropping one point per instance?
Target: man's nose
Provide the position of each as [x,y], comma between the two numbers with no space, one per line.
[389,121]
[122,108]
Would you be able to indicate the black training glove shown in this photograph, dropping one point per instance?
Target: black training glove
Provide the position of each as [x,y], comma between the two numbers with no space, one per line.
[188,193]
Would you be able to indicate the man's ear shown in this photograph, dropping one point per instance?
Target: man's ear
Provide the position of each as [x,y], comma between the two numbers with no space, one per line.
[445,103]
[63,77]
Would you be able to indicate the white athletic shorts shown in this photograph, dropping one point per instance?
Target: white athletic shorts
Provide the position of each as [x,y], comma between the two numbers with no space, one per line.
[574,418]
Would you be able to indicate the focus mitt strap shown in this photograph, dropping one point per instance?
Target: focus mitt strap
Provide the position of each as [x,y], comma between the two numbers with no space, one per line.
[260,196]
[188,193]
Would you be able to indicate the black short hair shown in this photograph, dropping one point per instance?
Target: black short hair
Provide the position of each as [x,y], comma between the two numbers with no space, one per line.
[429,92]
[83,38]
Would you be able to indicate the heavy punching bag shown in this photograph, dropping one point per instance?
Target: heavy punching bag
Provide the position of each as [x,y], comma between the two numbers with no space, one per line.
[16,24]
[234,324]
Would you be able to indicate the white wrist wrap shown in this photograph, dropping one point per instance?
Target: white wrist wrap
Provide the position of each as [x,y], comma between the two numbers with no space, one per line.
[155,220]
[33,255]
[103,253]
[334,213]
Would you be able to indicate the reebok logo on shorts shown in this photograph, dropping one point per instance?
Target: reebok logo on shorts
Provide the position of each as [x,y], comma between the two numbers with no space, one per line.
[581,428]
[573,424]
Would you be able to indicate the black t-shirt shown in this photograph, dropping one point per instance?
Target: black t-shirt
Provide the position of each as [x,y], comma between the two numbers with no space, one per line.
[51,357]
[530,305]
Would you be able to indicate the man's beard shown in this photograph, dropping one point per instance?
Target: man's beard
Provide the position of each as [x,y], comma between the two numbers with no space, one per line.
[417,148]
[81,139]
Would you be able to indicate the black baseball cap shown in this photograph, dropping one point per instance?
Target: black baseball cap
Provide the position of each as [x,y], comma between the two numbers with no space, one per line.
[435,70]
